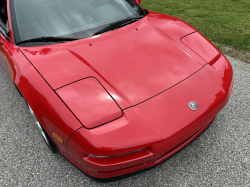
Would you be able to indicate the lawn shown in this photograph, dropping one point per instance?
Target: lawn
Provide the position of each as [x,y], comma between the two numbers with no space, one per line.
[225,22]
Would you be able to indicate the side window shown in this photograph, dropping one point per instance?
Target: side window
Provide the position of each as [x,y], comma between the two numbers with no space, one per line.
[4,26]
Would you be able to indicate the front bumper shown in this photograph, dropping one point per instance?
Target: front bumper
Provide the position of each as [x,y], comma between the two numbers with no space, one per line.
[162,125]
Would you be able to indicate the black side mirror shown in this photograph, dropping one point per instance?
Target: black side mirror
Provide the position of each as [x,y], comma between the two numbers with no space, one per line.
[7,29]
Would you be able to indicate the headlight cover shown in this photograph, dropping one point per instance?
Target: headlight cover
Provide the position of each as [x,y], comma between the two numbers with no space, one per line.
[201,46]
[90,102]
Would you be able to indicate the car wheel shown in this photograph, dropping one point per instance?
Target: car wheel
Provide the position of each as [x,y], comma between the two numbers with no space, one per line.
[45,136]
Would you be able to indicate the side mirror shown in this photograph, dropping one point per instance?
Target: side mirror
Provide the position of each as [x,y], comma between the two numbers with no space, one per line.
[138,1]
[7,29]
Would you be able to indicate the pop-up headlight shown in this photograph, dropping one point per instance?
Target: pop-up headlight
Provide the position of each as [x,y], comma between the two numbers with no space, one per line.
[90,102]
[202,47]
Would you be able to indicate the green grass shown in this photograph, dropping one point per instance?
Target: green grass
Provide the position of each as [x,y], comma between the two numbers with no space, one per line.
[224,22]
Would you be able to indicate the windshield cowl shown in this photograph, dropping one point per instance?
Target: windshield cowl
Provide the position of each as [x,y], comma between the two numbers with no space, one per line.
[47,39]
[118,24]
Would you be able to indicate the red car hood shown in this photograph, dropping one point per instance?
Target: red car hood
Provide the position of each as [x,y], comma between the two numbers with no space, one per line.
[134,63]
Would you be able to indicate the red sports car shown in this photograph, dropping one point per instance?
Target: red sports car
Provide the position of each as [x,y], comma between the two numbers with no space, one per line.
[114,87]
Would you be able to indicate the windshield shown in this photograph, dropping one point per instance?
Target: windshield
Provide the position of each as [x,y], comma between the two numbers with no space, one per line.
[69,18]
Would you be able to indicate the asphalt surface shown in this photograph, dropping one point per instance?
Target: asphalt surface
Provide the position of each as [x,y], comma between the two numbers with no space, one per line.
[218,157]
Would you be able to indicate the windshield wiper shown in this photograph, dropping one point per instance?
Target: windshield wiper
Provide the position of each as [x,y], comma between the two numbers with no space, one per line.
[118,24]
[48,39]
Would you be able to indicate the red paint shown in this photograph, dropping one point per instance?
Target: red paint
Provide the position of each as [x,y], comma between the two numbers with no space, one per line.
[201,46]
[90,102]
[163,124]
[138,1]
[156,68]
[142,81]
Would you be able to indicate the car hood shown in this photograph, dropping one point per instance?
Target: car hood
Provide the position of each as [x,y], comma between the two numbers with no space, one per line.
[134,63]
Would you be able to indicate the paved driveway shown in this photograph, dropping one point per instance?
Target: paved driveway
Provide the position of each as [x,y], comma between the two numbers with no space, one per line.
[219,157]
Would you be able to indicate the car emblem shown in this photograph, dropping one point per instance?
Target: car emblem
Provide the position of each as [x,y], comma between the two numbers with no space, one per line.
[193,105]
